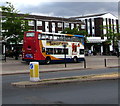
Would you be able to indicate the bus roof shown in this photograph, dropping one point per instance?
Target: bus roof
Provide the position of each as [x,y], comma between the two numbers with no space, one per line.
[57,33]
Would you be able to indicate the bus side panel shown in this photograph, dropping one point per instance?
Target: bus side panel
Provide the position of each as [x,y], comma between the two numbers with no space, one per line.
[39,54]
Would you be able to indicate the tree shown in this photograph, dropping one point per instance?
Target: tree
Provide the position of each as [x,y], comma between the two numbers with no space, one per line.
[112,35]
[74,31]
[13,26]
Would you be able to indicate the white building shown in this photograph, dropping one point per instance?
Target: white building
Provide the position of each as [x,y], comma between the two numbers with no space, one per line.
[95,39]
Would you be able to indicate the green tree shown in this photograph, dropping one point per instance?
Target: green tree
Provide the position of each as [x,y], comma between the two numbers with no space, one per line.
[112,35]
[74,31]
[13,26]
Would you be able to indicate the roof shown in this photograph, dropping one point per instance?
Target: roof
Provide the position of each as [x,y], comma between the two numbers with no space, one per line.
[47,18]
[94,15]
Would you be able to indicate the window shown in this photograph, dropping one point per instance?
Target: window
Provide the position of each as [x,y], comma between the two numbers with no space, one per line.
[60,51]
[30,34]
[49,50]
[60,25]
[39,23]
[43,49]
[55,37]
[60,37]
[51,37]
[76,39]
[66,25]
[39,36]
[81,51]
[31,23]
[59,31]
[77,25]
[67,38]
[43,36]
[82,26]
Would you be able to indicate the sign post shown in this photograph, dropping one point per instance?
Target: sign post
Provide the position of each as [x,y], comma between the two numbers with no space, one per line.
[65,53]
[34,71]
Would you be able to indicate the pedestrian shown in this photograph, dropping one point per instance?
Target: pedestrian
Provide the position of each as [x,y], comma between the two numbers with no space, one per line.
[90,52]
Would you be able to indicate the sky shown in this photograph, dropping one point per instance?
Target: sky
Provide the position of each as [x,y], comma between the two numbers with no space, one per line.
[62,8]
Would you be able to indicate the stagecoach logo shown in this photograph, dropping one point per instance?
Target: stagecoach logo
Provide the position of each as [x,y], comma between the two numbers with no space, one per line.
[31,66]
[56,43]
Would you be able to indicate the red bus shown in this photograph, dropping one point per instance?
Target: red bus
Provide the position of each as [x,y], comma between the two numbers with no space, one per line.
[49,47]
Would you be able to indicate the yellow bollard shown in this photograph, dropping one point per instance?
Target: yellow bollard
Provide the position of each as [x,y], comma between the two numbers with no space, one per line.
[34,71]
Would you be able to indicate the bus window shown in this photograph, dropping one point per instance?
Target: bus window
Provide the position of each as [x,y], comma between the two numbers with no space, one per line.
[60,37]
[51,37]
[80,39]
[31,34]
[74,39]
[39,36]
[43,49]
[49,50]
[67,38]
[47,37]
[81,51]
[55,37]
[43,37]
[60,51]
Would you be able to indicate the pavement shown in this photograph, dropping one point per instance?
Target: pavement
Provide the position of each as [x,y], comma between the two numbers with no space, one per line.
[12,66]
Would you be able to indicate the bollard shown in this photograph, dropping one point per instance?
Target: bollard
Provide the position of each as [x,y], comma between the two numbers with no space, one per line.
[84,63]
[34,71]
[105,62]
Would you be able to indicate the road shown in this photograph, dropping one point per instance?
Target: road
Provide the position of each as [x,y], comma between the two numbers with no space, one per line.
[94,92]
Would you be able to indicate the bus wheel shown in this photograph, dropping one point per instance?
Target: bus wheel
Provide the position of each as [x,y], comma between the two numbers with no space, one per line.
[48,60]
[75,59]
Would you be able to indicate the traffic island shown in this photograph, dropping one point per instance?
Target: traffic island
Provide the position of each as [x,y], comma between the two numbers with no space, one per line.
[61,80]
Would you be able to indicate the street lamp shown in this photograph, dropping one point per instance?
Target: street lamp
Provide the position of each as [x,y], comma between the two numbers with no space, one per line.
[64,45]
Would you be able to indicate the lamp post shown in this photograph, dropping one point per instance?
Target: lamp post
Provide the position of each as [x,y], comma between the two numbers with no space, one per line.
[64,45]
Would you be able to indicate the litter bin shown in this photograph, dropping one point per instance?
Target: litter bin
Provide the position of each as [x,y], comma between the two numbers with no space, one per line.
[34,71]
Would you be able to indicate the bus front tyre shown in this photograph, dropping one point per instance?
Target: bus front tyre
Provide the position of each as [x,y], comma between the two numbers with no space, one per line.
[48,60]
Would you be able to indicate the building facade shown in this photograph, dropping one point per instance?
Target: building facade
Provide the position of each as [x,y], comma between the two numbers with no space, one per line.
[96,42]
[91,23]
[52,24]
[47,24]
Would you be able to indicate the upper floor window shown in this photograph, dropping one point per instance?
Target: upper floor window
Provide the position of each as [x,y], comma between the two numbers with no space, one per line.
[66,25]
[39,23]
[59,24]
[31,23]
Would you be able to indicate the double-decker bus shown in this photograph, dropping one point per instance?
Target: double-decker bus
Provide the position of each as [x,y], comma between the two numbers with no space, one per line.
[49,47]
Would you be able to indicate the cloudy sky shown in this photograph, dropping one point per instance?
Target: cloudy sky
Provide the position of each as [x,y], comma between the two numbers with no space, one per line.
[65,8]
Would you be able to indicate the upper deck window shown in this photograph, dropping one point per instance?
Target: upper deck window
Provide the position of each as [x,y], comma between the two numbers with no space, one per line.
[31,34]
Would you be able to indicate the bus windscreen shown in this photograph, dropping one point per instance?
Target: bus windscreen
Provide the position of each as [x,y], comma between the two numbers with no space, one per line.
[31,34]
